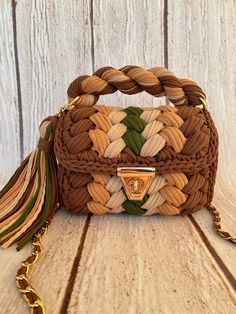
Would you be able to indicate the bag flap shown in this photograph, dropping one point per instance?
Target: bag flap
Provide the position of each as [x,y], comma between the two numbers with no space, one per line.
[102,138]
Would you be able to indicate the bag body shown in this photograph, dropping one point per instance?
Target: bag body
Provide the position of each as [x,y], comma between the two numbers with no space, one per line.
[98,159]
[92,143]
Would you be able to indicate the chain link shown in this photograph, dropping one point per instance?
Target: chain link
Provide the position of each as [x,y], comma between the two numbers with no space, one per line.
[217,224]
[22,281]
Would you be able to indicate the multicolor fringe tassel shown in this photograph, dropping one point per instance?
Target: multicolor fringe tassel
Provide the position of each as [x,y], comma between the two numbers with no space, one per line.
[30,198]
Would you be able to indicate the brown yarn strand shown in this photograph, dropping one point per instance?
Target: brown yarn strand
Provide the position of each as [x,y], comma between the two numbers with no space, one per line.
[77,163]
[197,159]
[157,81]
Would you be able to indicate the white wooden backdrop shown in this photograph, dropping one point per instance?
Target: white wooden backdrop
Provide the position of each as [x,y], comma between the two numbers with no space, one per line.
[119,264]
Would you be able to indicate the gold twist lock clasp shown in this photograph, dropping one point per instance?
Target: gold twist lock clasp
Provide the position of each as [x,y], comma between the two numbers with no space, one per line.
[136,181]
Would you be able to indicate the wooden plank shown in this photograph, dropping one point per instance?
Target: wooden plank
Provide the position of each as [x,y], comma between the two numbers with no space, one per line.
[9,263]
[123,35]
[204,53]
[9,111]
[129,264]
[54,48]
[148,265]
[51,273]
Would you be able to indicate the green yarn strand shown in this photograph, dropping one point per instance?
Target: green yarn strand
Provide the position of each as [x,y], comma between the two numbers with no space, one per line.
[134,207]
[134,122]
[134,140]
[133,110]
[29,206]
[46,208]
[47,197]
[135,125]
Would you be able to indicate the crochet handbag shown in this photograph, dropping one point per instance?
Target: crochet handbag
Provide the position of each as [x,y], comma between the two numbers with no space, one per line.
[98,159]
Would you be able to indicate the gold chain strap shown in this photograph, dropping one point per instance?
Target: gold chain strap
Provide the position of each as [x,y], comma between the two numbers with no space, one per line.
[217,224]
[29,294]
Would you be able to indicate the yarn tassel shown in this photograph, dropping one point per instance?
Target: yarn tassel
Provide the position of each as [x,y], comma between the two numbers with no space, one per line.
[30,198]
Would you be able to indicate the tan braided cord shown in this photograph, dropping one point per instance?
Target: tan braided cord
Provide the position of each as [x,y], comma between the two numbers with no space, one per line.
[131,79]
[32,298]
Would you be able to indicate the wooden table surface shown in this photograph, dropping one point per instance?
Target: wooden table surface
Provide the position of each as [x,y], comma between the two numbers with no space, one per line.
[119,263]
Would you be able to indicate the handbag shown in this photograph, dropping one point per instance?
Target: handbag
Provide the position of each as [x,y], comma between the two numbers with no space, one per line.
[96,159]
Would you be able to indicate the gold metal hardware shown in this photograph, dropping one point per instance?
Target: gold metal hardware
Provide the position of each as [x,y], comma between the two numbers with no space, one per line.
[204,103]
[32,298]
[217,224]
[68,106]
[136,181]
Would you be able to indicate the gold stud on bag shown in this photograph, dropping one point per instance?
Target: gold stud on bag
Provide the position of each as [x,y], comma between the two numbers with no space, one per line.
[98,159]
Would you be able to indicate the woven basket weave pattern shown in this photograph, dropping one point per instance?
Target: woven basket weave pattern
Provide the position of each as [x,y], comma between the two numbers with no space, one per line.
[90,143]
[92,140]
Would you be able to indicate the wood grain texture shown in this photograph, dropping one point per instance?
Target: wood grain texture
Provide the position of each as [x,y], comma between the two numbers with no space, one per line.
[201,48]
[123,36]
[54,48]
[51,275]
[9,125]
[121,264]
[146,265]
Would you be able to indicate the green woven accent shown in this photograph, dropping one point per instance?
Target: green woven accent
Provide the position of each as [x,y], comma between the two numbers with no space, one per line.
[134,122]
[133,110]
[134,207]
[134,140]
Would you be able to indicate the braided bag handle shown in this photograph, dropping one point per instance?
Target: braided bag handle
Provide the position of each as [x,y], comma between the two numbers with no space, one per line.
[131,79]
